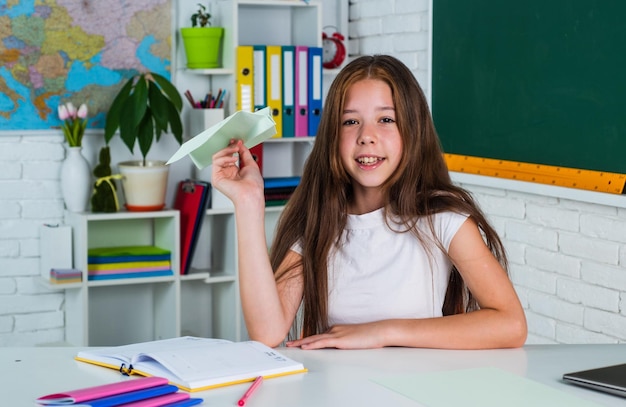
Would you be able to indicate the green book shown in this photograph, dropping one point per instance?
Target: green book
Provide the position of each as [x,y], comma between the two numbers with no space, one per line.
[122,254]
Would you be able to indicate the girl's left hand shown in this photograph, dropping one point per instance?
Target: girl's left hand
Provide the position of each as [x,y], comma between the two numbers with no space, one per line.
[357,336]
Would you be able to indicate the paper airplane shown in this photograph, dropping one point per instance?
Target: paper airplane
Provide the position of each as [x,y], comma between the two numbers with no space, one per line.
[251,127]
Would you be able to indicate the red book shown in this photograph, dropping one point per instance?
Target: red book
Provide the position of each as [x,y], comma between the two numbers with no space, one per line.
[191,200]
[257,154]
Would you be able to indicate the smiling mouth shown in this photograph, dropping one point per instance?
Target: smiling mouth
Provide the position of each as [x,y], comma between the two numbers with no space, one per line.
[369,160]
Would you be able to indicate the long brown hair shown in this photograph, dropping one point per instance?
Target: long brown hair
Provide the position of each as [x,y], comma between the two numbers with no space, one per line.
[316,213]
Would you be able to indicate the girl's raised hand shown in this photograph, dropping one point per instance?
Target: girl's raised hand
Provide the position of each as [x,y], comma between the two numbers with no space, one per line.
[241,181]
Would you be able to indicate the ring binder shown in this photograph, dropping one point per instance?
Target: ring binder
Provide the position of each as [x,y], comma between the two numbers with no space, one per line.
[126,371]
[188,187]
[192,199]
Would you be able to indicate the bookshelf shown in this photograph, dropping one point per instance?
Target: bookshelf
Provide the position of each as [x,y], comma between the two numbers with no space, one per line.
[129,310]
[125,310]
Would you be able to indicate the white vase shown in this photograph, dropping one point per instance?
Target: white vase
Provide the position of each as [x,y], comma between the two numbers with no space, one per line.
[75,180]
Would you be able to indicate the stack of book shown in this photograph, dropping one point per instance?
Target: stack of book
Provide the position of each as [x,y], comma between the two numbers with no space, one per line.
[278,190]
[105,263]
[64,276]
[147,391]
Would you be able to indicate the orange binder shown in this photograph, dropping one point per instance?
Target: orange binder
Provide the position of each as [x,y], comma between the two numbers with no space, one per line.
[192,198]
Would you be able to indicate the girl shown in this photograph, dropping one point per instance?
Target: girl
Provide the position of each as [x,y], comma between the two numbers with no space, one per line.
[376,247]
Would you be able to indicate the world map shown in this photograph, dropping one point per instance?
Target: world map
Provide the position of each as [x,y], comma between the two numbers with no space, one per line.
[80,51]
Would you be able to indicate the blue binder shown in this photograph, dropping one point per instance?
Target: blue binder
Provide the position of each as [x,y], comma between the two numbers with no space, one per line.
[315,88]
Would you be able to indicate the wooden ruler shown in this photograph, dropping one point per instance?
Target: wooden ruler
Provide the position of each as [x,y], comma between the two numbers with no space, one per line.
[544,174]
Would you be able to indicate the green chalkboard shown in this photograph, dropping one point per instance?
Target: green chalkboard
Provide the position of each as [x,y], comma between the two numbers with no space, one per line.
[539,81]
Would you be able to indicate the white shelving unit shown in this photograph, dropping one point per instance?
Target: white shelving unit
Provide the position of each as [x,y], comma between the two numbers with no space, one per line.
[121,311]
[128,310]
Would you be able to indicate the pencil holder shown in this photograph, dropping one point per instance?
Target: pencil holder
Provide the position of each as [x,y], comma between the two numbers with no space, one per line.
[202,119]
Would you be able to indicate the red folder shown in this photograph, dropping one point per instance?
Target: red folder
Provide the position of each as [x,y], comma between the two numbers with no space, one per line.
[257,154]
[191,200]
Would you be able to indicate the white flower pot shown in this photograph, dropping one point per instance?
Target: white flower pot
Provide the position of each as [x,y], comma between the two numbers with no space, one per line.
[144,186]
[75,180]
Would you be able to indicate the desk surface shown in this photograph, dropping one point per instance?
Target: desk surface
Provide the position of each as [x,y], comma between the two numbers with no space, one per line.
[335,377]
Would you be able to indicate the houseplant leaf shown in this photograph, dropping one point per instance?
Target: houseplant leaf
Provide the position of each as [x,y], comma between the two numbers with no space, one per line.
[128,130]
[176,126]
[139,96]
[169,90]
[145,133]
[158,104]
[113,115]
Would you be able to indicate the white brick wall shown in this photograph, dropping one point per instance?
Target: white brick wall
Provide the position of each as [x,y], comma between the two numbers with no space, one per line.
[30,195]
[567,257]
[567,263]
[396,27]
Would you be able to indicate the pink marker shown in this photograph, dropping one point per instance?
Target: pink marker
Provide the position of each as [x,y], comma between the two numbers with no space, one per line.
[257,382]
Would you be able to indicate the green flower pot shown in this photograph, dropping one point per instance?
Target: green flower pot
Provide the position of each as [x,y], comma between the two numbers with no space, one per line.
[202,46]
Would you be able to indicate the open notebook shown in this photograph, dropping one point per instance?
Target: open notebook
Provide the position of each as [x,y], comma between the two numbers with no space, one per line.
[609,379]
[195,364]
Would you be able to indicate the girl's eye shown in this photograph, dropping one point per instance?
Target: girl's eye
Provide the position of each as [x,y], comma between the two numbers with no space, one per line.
[349,122]
[387,120]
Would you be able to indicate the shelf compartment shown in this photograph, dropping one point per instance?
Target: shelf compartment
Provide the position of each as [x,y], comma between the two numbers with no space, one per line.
[126,314]
[209,310]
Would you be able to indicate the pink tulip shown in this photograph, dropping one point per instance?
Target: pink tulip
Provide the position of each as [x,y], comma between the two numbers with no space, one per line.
[82,111]
[63,113]
[74,122]
[71,109]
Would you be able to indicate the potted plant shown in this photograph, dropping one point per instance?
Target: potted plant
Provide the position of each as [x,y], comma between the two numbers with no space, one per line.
[145,107]
[201,41]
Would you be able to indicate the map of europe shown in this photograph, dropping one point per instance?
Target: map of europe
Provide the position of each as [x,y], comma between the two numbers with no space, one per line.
[79,51]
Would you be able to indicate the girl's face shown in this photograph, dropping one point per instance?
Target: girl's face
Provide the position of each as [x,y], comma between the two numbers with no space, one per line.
[370,145]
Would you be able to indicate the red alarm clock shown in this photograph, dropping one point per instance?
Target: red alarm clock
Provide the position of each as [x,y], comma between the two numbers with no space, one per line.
[334,52]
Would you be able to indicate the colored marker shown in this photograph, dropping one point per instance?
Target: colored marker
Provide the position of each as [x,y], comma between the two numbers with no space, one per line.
[257,382]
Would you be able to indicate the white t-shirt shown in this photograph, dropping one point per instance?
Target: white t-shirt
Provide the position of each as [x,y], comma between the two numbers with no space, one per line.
[379,274]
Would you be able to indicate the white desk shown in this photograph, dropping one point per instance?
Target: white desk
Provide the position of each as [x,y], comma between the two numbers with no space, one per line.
[335,377]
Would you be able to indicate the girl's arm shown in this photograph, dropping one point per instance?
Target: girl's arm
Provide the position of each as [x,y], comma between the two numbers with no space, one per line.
[268,308]
[499,323]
